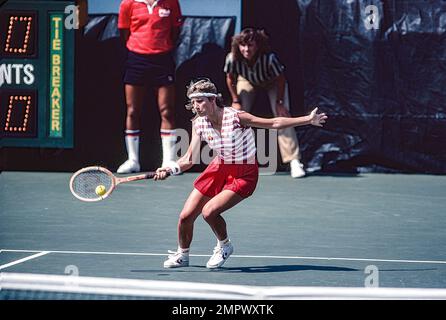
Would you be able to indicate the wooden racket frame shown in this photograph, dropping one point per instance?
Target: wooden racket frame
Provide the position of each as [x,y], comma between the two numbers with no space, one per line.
[114,180]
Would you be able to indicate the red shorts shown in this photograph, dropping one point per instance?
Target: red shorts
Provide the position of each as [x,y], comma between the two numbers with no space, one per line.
[219,176]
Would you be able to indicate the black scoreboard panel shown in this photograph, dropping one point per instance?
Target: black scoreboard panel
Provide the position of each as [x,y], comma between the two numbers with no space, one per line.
[36,74]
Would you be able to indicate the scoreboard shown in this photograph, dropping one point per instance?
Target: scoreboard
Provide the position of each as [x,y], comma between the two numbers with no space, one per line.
[36,74]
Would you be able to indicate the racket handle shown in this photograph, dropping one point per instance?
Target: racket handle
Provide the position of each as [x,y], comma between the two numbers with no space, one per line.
[150,175]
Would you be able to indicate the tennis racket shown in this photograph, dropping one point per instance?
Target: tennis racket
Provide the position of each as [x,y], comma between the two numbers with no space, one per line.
[84,182]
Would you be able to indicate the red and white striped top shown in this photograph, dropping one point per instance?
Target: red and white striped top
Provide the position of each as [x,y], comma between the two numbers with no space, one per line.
[234,144]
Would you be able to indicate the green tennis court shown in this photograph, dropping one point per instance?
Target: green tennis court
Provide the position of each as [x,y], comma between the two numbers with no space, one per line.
[320,231]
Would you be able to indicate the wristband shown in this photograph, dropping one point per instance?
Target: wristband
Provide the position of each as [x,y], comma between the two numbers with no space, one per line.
[175,168]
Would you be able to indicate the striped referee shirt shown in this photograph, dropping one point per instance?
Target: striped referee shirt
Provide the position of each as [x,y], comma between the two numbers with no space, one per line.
[234,144]
[266,68]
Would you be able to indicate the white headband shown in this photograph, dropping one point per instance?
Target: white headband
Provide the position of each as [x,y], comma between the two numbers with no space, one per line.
[201,94]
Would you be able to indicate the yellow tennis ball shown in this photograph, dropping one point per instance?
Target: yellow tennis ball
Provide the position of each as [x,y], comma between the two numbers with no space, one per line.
[100,190]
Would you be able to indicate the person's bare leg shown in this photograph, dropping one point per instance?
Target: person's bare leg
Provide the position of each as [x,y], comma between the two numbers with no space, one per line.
[134,96]
[166,105]
[191,210]
[215,207]
[212,214]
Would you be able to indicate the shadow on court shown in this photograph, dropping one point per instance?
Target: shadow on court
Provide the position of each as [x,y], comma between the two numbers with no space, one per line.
[284,268]
[259,269]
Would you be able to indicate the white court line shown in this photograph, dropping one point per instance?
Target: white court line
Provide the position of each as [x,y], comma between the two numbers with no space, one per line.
[4,266]
[237,256]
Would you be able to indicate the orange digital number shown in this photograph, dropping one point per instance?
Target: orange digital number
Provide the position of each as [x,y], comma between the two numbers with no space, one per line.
[22,23]
[14,102]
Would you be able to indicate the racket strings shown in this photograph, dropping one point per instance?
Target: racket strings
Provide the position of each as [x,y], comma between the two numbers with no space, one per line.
[85,183]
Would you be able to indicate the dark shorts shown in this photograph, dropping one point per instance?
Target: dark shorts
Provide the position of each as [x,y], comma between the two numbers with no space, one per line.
[239,178]
[154,70]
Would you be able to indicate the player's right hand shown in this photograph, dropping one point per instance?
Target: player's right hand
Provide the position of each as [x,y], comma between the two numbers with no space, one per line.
[162,173]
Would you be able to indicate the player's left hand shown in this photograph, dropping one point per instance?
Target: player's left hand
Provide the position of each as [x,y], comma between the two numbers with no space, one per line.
[317,119]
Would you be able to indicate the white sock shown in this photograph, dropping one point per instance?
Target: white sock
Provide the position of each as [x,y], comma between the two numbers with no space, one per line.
[183,250]
[168,139]
[223,242]
[132,144]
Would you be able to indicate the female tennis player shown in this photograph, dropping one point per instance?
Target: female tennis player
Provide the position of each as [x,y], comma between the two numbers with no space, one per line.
[232,175]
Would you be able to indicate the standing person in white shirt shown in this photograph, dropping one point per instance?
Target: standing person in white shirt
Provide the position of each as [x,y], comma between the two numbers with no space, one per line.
[252,66]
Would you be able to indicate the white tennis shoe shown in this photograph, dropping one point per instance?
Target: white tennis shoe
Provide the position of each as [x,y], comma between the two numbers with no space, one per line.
[297,170]
[221,254]
[129,166]
[177,259]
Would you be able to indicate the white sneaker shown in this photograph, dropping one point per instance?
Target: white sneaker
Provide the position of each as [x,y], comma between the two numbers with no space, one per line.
[221,254]
[297,170]
[177,259]
[129,166]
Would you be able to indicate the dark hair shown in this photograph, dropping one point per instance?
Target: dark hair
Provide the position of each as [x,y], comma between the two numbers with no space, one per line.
[250,35]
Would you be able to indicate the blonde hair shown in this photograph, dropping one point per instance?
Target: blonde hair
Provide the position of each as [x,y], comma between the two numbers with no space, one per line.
[205,86]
